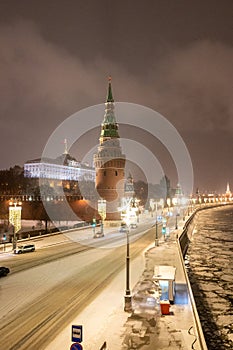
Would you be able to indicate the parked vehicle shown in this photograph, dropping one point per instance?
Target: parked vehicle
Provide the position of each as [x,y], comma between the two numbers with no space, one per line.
[98,234]
[4,271]
[134,225]
[24,249]
[63,228]
[124,228]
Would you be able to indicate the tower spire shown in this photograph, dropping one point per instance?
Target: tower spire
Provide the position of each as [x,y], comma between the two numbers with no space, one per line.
[228,191]
[110,96]
[66,148]
[109,127]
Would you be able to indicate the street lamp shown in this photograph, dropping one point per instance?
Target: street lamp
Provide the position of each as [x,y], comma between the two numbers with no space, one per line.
[93,226]
[156,225]
[176,221]
[175,203]
[15,208]
[128,297]
[102,213]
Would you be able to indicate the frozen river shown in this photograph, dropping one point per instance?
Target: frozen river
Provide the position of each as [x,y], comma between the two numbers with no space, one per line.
[210,269]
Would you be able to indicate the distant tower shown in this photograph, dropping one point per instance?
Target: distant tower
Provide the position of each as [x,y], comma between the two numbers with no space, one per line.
[228,191]
[129,194]
[109,161]
[129,187]
[178,192]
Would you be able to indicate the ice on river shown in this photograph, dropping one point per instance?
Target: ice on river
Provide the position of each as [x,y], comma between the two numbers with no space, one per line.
[211,276]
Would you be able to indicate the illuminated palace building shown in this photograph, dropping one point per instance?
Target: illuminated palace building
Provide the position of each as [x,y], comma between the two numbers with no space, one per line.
[109,162]
[63,171]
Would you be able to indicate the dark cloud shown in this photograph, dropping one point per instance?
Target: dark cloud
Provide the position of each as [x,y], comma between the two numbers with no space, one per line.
[42,83]
[194,86]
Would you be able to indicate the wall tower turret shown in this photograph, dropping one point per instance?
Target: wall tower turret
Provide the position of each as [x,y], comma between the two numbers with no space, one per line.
[109,161]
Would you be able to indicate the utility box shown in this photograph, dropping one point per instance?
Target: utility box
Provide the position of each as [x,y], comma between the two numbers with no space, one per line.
[165,307]
[165,275]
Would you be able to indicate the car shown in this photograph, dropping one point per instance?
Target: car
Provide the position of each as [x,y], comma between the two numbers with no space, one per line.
[24,249]
[133,225]
[80,224]
[124,228]
[63,228]
[4,271]
[98,234]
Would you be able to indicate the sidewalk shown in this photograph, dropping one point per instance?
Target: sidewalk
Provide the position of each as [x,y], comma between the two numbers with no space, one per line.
[173,331]
[104,320]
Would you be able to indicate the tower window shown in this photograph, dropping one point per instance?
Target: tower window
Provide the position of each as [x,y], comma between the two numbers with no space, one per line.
[104,172]
[116,173]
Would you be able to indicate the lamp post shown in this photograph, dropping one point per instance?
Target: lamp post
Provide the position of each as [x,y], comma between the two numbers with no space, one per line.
[176,221]
[15,208]
[128,297]
[102,212]
[175,203]
[93,226]
[156,225]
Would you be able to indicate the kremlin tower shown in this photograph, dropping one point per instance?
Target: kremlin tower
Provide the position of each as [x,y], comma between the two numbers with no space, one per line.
[109,161]
[228,193]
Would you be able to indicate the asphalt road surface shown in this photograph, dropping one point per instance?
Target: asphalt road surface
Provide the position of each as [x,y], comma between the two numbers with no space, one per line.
[48,287]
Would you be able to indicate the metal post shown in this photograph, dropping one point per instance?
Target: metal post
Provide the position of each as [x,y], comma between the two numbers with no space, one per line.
[128,298]
[156,233]
[176,222]
[156,227]
[102,228]
[14,243]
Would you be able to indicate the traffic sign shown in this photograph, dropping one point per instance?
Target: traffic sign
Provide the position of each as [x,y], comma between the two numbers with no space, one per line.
[77,333]
[163,230]
[76,346]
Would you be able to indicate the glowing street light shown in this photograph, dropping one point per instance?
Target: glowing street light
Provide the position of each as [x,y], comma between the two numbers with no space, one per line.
[15,208]
[128,297]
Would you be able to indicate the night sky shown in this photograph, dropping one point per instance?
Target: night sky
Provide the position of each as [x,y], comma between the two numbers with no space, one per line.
[174,56]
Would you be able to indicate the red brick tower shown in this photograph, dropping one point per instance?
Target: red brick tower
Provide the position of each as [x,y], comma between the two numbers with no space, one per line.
[109,161]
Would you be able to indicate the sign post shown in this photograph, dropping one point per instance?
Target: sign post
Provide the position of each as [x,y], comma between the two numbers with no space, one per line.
[76,346]
[77,337]
[77,334]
